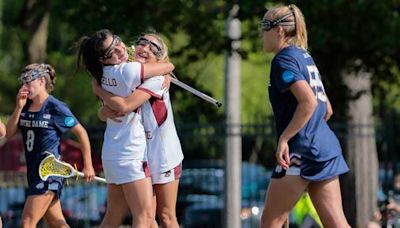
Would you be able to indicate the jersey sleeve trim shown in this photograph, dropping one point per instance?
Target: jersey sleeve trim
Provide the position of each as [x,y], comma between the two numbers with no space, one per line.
[159,109]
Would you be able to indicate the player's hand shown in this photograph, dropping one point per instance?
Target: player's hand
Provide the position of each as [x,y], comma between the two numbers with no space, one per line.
[88,173]
[282,154]
[111,114]
[167,82]
[22,96]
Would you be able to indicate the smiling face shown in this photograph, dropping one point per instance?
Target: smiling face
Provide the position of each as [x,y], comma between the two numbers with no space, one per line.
[114,51]
[148,49]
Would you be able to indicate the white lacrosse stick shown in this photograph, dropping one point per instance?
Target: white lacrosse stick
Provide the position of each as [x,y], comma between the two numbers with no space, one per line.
[175,80]
[51,166]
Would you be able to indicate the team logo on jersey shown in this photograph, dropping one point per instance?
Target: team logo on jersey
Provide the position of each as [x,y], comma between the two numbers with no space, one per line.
[288,76]
[69,121]
[167,174]
[46,116]
[23,114]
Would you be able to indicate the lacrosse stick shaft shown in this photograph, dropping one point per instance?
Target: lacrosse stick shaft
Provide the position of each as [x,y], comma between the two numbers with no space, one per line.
[195,92]
[100,179]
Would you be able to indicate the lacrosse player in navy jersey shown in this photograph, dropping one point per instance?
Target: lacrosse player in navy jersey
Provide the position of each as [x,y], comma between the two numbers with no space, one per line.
[42,119]
[308,153]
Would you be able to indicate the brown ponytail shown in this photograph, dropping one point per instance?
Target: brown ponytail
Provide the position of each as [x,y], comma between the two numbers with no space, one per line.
[90,50]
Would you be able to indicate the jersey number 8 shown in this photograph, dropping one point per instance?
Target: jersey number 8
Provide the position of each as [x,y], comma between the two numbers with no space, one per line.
[30,138]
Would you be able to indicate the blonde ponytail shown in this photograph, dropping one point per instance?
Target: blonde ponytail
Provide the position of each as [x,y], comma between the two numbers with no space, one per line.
[291,19]
[300,38]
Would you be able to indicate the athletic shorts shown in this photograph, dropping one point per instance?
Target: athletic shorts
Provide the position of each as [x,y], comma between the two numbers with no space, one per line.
[40,187]
[166,177]
[312,170]
[125,171]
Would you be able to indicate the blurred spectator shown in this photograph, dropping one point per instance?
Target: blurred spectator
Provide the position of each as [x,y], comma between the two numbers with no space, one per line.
[393,206]
[389,208]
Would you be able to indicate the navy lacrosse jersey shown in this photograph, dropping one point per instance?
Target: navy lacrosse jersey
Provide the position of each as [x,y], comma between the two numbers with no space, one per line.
[315,141]
[41,132]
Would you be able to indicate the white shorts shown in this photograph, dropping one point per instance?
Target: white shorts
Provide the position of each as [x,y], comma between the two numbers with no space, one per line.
[166,177]
[125,171]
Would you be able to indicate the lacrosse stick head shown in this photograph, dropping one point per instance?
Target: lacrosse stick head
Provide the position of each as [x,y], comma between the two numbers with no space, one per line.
[51,166]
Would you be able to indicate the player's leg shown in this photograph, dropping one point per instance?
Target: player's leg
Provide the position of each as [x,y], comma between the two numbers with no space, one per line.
[35,207]
[54,216]
[166,203]
[327,200]
[139,197]
[166,189]
[117,207]
[155,224]
[282,195]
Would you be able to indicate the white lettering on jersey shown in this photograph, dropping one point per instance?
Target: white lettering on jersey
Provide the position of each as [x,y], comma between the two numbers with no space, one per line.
[316,83]
[306,55]
[40,123]
[34,123]
[25,123]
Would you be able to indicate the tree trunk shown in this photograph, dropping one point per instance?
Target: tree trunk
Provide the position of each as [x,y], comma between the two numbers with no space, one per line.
[34,20]
[361,184]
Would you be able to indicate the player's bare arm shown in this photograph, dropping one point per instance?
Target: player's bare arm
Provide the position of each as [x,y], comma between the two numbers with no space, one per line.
[304,110]
[12,124]
[155,69]
[83,138]
[119,104]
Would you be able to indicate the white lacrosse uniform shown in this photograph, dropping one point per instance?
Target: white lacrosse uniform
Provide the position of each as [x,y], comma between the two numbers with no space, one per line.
[164,151]
[124,146]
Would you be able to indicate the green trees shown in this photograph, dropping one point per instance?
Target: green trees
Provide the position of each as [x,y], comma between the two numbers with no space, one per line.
[346,38]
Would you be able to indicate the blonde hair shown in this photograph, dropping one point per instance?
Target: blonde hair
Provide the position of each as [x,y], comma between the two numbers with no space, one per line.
[164,49]
[295,34]
[50,75]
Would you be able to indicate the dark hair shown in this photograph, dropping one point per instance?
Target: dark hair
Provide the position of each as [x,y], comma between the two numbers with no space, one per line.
[49,73]
[91,49]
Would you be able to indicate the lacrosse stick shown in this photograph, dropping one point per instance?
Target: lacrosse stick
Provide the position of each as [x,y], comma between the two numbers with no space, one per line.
[51,166]
[175,80]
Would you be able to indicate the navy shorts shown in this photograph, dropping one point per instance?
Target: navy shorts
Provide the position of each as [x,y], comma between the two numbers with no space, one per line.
[40,187]
[312,170]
